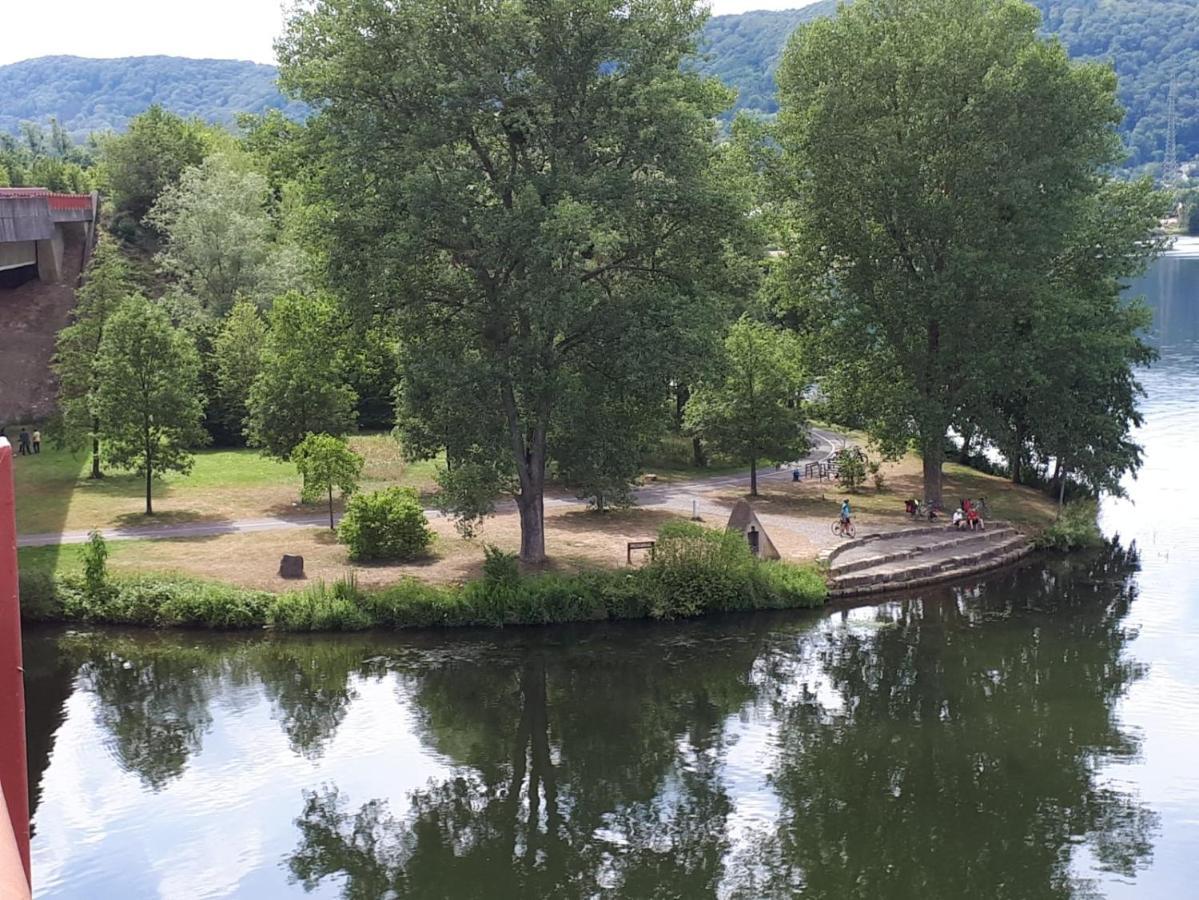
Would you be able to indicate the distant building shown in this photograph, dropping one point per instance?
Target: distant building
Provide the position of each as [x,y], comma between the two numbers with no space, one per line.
[37,227]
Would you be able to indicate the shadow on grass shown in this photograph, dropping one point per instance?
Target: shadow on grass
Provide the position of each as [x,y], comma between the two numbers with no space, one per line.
[613,522]
[171,517]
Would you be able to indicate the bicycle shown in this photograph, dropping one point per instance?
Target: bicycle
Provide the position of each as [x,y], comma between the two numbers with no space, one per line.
[844,529]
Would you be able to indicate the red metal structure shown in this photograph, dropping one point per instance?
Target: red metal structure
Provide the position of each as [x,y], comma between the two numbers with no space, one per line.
[14,819]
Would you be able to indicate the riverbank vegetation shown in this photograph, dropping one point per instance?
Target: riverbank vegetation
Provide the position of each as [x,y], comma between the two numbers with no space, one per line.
[694,571]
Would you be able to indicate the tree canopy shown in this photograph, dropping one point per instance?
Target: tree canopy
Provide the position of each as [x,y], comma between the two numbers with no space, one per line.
[545,173]
[936,158]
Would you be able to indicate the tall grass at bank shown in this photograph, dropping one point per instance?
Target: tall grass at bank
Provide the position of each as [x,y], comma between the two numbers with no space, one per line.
[694,571]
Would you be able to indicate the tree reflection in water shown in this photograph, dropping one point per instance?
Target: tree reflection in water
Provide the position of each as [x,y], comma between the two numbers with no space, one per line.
[960,759]
[948,750]
[945,745]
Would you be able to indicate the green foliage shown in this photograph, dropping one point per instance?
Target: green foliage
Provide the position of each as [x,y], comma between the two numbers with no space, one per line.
[956,250]
[851,468]
[744,50]
[300,387]
[146,392]
[218,239]
[238,352]
[698,570]
[148,158]
[94,557]
[320,608]
[106,283]
[714,572]
[385,525]
[500,568]
[326,463]
[467,493]
[540,239]
[1077,528]
[750,407]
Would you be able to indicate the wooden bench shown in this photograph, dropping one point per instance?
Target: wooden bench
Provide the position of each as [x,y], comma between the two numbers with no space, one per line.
[639,545]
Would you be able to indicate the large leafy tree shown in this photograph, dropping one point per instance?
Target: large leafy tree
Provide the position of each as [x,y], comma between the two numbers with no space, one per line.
[300,388]
[528,187]
[147,393]
[150,155]
[218,237]
[106,283]
[238,352]
[750,406]
[936,154]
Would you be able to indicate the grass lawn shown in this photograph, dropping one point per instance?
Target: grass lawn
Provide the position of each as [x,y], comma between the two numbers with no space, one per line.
[54,493]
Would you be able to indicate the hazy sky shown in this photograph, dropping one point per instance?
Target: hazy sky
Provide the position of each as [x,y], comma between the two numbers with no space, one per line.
[224,29]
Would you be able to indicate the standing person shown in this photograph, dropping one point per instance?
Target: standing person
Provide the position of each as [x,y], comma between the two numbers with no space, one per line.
[37,441]
[23,439]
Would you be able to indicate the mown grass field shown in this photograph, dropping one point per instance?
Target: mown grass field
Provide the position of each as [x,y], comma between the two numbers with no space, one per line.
[54,492]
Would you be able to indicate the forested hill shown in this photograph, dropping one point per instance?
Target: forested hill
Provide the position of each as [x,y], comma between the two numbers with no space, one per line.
[87,95]
[1148,40]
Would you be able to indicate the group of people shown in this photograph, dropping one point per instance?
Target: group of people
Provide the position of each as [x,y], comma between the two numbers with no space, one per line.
[966,516]
[27,444]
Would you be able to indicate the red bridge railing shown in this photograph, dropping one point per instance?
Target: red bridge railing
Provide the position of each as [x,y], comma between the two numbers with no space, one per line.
[14,816]
[70,201]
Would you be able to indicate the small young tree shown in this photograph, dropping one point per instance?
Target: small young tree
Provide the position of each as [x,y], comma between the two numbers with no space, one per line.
[326,463]
[238,352]
[750,409]
[106,283]
[147,393]
[300,388]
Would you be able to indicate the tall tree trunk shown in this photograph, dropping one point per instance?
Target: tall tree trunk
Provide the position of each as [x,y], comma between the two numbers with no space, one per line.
[682,393]
[1061,491]
[967,440]
[753,478]
[699,458]
[1017,457]
[96,473]
[529,456]
[933,451]
[330,507]
[149,501]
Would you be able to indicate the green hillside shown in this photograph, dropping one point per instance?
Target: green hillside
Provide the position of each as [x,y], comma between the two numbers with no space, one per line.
[1148,40]
[87,95]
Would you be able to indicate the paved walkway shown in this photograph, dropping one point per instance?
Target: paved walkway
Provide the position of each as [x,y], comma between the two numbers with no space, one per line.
[677,496]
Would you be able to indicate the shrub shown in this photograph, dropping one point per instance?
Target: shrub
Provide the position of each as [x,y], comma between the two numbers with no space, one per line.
[321,607]
[1077,528]
[40,599]
[851,468]
[500,568]
[385,525]
[94,556]
[695,569]
[789,586]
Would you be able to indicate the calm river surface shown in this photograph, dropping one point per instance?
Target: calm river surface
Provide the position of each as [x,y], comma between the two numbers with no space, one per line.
[1034,734]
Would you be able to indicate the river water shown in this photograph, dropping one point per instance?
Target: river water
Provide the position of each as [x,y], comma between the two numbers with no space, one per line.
[1032,734]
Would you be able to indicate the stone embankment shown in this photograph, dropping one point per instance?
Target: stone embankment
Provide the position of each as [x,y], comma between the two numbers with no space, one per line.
[914,557]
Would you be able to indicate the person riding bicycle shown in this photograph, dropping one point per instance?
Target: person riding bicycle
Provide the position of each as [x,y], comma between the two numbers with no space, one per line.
[845,513]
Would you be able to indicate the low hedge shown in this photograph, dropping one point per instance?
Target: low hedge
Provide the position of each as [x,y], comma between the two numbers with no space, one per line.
[695,571]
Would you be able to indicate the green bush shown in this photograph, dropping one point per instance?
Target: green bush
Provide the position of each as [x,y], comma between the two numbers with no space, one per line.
[696,569]
[1077,528]
[321,607]
[385,525]
[94,556]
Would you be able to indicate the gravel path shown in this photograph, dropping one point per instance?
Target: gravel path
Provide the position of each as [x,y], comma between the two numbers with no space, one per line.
[677,497]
